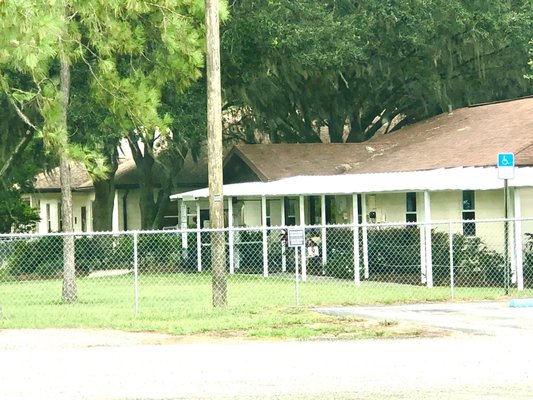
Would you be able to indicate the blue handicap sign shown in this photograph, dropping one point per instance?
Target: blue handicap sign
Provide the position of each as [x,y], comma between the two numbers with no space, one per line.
[505,160]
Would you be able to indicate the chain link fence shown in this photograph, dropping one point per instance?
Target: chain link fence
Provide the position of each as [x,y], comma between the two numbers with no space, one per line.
[161,273]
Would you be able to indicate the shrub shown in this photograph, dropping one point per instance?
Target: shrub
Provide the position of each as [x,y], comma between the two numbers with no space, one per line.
[339,265]
[340,254]
[394,254]
[42,256]
[394,250]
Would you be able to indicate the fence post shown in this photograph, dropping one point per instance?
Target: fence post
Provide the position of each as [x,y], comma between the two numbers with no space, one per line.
[231,236]
[365,236]
[304,255]
[264,234]
[283,244]
[135,274]
[198,238]
[356,256]
[323,222]
[429,253]
[296,266]
[519,255]
[422,254]
[452,280]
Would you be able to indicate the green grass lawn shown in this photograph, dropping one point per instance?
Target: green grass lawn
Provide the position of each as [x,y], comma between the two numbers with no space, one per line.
[181,304]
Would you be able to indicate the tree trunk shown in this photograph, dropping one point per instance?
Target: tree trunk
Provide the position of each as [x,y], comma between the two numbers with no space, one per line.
[69,293]
[104,196]
[336,129]
[7,165]
[146,196]
[163,200]
[214,146]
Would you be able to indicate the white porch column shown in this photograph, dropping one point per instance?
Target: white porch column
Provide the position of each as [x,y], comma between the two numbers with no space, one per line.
[324,231]
[356,257]
[283,244]
[265,244]
[519,255]
[304,249]
[231,237]
[198,237]
[365,236]
[429,252]
[89,208]
[183,224]
[43,223]
[115,226]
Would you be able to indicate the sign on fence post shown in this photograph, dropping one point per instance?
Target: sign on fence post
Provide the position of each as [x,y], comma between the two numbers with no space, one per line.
[296,237]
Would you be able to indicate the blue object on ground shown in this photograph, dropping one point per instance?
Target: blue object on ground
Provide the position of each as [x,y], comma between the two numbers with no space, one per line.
[521,303]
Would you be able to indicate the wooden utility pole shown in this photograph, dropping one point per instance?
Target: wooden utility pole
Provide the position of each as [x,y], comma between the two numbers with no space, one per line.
[214,146]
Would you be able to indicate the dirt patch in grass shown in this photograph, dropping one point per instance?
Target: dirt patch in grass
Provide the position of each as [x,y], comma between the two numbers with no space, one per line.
[347,328]
[342,329]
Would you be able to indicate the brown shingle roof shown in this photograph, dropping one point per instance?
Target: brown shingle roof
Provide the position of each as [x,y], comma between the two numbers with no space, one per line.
[191,174]
[49,181]
[471,136]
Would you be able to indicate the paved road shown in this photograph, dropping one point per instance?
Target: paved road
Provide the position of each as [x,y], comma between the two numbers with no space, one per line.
[480,318]
[59,364]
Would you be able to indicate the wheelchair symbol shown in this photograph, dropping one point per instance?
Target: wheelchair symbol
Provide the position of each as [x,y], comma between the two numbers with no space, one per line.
[505,160]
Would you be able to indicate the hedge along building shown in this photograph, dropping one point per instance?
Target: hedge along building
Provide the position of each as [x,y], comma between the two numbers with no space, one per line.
[46,196]
[441,169]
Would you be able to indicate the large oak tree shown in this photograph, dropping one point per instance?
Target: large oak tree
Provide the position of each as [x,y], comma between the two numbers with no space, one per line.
[355,67]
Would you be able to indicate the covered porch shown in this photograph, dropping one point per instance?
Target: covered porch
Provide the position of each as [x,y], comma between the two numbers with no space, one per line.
[419,198]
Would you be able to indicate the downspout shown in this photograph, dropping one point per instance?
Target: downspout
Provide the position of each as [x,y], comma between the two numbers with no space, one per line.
[125,209]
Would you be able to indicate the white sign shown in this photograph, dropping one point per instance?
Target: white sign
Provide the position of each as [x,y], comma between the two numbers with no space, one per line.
[506,166]
[296,237]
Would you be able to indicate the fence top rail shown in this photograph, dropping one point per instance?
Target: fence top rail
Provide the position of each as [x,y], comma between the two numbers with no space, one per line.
[12,236]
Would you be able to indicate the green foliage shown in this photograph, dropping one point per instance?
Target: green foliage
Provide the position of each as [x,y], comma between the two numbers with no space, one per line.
[43,257]
[122,55]
[15,214]
[40,257]
[394,254]
[340,254]
[368,62]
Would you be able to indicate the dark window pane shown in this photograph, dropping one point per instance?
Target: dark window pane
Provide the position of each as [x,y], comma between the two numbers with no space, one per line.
[469,229]
[411,202]
[469,215]
[410,217]
[469,200]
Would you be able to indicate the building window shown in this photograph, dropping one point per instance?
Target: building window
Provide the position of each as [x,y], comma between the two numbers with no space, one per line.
[268,207]
[84,219]
[469,213]
[59,218]
[290,211]
[48,218]
[410,209]
[315,214]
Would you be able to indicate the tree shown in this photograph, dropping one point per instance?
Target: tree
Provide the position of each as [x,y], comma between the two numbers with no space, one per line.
[15,214]
[167,55]
[129,48]
[16,138]
[368,66]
